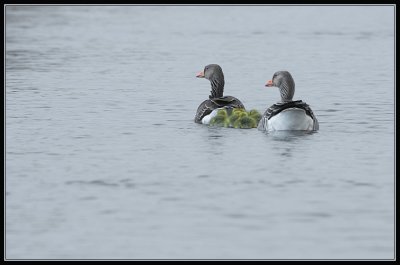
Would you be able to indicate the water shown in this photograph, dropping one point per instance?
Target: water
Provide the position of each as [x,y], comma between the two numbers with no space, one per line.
[104,161]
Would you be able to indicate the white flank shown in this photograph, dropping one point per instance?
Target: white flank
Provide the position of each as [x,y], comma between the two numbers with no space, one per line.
[207,119]
[290,119]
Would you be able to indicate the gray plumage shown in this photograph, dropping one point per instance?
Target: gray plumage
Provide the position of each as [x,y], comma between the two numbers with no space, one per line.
[214,74]
[284,81]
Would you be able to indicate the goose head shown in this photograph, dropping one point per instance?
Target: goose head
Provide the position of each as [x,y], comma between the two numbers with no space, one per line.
[284,81]
[213,73]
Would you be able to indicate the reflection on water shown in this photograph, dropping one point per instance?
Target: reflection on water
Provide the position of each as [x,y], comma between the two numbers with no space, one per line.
[288,136]
[289,142]
[104,161]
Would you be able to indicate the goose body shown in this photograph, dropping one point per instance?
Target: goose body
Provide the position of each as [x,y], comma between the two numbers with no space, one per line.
[288,117]
[287,114]
[208,108]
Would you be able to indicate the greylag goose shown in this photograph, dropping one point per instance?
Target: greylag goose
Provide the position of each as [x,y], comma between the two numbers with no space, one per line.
[287,114]
[208,108]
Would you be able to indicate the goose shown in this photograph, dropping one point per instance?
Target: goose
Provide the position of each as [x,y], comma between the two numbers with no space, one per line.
[287,114]
[209,108]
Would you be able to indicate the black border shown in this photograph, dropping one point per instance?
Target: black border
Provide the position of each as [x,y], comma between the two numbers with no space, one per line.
[168,3]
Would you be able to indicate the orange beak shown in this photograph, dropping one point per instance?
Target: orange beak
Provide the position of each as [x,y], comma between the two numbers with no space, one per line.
[269,83]
[200,74]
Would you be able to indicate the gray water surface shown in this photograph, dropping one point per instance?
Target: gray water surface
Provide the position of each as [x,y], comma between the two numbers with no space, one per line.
[104,161]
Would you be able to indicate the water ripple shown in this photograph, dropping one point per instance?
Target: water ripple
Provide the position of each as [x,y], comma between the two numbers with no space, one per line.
[91,182]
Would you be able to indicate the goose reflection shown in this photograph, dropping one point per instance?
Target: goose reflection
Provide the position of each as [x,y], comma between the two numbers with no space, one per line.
[289,136]
[293,140]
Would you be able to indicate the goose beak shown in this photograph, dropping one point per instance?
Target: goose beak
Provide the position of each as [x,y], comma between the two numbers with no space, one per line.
[269,83]
[200,74]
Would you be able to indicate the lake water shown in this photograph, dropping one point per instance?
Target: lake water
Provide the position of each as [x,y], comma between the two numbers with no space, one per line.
[104,160]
